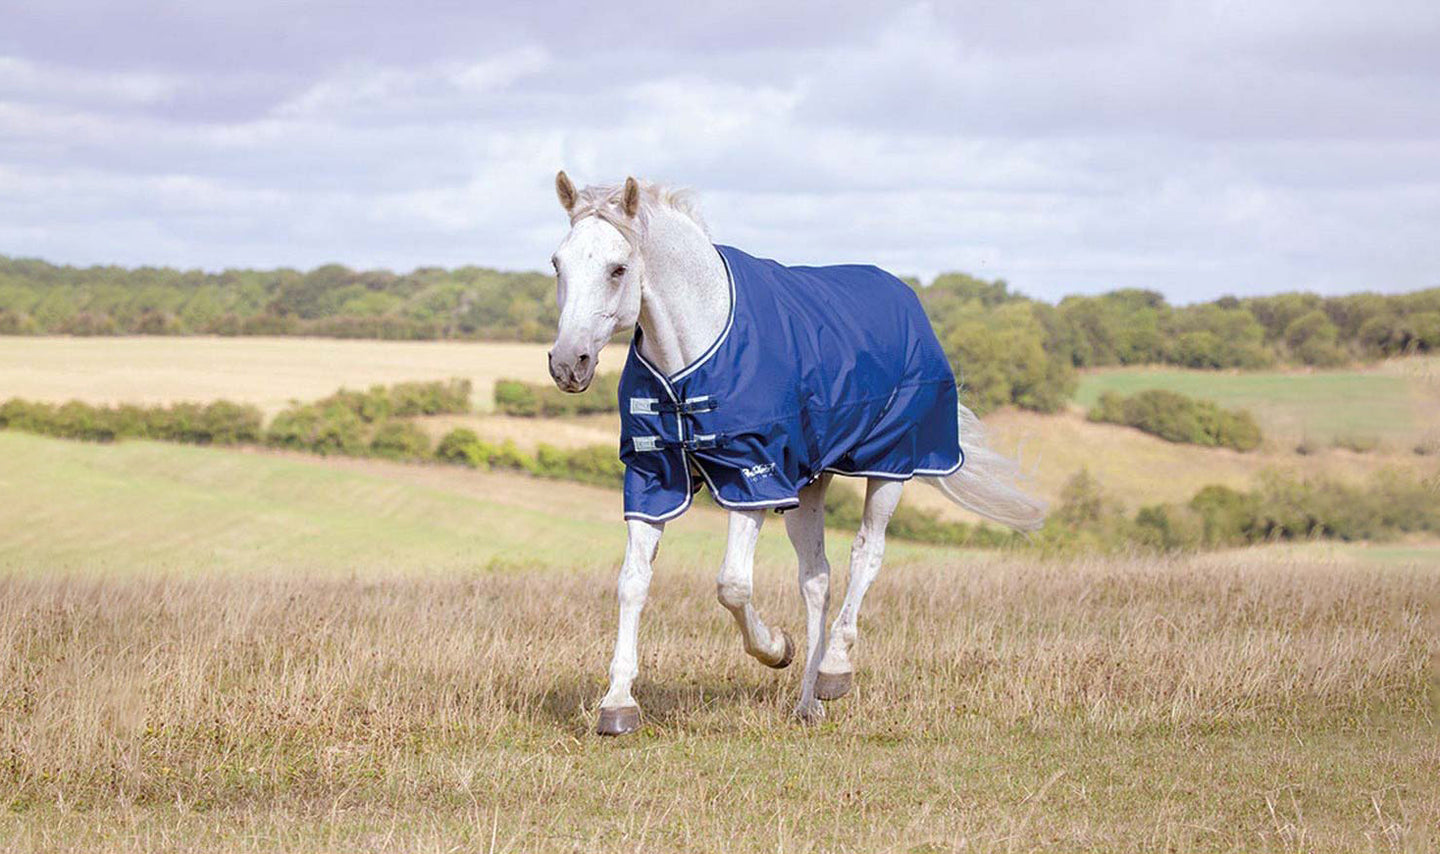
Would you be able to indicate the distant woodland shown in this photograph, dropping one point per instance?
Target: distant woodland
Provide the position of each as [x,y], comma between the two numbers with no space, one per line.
[1007,348]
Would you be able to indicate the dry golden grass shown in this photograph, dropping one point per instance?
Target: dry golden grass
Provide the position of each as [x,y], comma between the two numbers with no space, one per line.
[1141,469]
[212,650]
[1104,705]
[267,372]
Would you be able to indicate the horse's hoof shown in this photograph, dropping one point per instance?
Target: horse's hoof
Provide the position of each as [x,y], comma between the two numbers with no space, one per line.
[621,721]
[789,655]
[832,686]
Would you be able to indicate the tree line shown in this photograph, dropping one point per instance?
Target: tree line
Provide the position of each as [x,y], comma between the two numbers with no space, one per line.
[1007,348]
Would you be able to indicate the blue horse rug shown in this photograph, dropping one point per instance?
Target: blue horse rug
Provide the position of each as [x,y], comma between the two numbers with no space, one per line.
[819,369]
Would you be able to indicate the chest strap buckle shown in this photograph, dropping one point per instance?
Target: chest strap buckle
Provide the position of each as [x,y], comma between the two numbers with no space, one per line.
[688,406]
[643,444]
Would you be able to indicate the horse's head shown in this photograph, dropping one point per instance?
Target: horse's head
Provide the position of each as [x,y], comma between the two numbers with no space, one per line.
[598,269]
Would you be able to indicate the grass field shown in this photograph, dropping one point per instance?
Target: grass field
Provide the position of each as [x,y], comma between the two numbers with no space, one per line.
[208,649]
[142,508]
[1391,403]
[1398,402]
[267,372]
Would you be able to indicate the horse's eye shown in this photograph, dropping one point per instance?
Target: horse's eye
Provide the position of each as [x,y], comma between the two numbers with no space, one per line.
[617,271]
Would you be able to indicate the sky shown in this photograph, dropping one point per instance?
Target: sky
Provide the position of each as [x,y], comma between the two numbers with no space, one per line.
[1197,149]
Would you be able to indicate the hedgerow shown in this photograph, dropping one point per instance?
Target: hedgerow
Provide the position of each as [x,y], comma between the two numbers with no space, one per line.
[1280,507]
[218,423]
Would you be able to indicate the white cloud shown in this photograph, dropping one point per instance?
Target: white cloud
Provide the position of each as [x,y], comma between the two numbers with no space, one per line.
[394,92]
[21,79]
[1194,150]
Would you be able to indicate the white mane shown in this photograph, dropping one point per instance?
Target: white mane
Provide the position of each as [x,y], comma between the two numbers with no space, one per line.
[604,201]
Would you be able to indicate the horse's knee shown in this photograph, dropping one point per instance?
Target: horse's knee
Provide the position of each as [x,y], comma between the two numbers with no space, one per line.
[870,539]
[815,583]
[633,586]
[733,593]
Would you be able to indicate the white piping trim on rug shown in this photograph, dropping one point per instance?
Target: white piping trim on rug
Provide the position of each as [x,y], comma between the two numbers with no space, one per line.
[890,475]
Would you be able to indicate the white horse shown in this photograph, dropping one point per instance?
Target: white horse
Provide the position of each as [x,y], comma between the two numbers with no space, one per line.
[638,253]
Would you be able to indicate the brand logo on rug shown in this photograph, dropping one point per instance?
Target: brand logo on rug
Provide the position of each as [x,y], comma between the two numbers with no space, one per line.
[761,470]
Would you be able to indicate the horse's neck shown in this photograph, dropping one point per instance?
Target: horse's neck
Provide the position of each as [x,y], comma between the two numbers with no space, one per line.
[685,298]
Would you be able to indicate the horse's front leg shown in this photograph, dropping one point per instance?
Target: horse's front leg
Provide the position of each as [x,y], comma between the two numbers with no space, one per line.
[619,713]
[734,587]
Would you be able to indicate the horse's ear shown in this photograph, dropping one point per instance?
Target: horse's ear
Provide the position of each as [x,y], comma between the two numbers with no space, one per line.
[630,201]
[565,190]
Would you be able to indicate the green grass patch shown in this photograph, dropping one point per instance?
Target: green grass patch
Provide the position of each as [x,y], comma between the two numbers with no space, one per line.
[1318,405]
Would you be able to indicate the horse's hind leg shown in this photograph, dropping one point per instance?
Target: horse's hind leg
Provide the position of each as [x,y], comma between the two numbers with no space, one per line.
[734,587]
[836,670]
[619,713]
[806,527]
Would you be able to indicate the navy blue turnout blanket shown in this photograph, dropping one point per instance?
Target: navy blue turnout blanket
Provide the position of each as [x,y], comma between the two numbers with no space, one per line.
[818,369]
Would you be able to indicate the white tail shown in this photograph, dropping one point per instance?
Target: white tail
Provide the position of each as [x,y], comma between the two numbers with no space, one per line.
[989,482]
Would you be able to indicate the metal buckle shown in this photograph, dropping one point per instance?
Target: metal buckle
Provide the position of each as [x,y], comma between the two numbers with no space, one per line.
[689,406]
[702,443]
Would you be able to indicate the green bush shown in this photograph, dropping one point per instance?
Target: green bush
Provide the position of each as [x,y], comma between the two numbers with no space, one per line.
[1227,516]
[1166,527]
[17,323]
[218,423]
[400,440]
[332,429]
[463,447]
[1312,338]
[403,400]
[430,398]
[1288,507]
[1176,418]
[1086,518]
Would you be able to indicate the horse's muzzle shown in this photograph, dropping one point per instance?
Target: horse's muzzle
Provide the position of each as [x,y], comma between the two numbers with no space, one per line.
[572,374]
